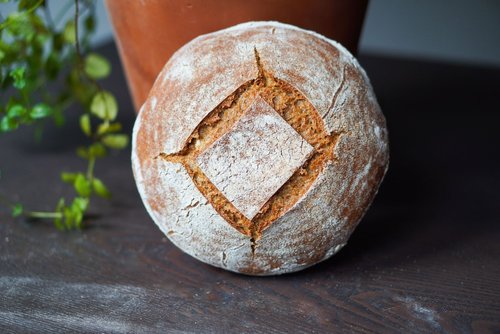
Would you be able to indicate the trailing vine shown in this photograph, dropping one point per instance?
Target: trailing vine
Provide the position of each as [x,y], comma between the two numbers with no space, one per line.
[36,49]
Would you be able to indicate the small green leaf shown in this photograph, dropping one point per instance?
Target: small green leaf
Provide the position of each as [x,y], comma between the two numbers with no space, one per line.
[107,127]
[82,152]
[18,74]
[81,91]
[59,209]
[68,218]
[60,205]
[100,189]
[8,124]
[17,210]
[97,150]
[41,110]
[78,208]
[90,23]
[85,124]
[117,141]
[41,40]
[69,34]
[80,203]
[82,185]
[19,24]
[16,110]
[68,177]
[58,223]
[52,66]
[78,218]
[96,66]
[104,106]
[58,41]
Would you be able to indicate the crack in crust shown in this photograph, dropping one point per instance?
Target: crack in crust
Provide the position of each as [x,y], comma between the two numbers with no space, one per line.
[297,111]
[337,92]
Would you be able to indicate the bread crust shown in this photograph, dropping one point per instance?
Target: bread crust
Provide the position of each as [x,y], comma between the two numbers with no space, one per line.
[201,75]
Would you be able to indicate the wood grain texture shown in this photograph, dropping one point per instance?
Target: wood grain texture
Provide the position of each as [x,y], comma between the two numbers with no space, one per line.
[424,259]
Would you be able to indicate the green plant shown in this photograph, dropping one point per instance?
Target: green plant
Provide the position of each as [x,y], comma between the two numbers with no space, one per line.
[36,49]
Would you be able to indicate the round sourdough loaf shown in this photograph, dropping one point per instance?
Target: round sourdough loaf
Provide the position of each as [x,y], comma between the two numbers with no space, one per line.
[259,148]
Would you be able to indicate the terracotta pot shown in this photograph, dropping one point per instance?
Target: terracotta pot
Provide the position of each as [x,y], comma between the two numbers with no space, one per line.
[148,32]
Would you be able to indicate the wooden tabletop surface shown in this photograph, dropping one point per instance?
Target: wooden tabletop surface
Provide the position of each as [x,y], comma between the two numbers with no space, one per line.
[426,257]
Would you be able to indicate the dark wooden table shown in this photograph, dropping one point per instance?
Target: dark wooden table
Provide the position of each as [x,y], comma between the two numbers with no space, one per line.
[424,259]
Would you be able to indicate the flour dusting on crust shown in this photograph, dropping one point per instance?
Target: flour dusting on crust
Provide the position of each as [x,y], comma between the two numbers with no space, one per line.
[200,76]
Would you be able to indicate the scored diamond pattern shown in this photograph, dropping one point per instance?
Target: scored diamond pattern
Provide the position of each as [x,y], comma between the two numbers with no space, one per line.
[255,158]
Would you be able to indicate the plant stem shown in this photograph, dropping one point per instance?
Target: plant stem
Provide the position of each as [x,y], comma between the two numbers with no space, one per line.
[26,98]
[78,50]
[77,40]
[90,169]
[44,215]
